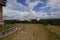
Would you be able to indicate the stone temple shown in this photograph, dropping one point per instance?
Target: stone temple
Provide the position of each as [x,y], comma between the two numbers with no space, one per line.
[2,3]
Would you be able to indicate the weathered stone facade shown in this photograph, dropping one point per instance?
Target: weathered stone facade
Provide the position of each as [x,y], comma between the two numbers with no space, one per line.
[1,16]
[2,3]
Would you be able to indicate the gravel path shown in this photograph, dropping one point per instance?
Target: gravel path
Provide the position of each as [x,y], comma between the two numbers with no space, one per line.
[32,32]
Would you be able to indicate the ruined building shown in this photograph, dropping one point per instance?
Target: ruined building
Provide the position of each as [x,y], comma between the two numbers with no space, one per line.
[2,3]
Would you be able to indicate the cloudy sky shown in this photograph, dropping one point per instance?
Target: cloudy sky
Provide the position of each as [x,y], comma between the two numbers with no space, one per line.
[30,9]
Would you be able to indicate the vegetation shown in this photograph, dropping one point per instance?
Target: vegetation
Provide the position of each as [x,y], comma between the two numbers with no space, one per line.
[5,27]
[42,21]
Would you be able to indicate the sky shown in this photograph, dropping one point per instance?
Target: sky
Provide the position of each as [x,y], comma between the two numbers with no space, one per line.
[31,9]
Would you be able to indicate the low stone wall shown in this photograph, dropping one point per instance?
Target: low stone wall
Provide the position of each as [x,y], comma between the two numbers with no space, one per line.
[9,31]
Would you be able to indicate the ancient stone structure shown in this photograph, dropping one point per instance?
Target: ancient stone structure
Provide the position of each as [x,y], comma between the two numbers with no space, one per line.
[2,3]
[10,31]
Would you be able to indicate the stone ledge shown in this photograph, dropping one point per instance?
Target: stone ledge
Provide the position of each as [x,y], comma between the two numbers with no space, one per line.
[10,31]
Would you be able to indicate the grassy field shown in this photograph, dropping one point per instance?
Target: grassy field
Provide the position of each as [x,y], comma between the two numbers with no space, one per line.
[34,32]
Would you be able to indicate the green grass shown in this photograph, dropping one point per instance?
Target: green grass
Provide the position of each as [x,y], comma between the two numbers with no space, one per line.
[5,27]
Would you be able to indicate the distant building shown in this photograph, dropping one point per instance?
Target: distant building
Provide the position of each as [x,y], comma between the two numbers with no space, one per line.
[2,3]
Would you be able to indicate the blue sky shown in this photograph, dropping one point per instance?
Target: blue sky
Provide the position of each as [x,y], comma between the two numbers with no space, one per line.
[30,9]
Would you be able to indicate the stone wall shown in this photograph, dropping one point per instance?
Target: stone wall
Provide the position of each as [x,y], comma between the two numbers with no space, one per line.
[9,31]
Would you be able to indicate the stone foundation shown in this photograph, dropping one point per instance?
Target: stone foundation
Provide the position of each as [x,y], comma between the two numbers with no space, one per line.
[1,23]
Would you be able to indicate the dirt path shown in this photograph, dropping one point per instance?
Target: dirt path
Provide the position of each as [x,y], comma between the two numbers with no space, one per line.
[32,32]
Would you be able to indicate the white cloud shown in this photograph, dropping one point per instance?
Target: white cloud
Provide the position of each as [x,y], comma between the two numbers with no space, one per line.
[32,4]
[9,11]
[53,4]
[14,14]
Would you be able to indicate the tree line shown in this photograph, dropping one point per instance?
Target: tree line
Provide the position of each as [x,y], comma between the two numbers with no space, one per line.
[42,21]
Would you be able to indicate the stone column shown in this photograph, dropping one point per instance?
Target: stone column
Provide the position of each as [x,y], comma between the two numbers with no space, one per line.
[1,15]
